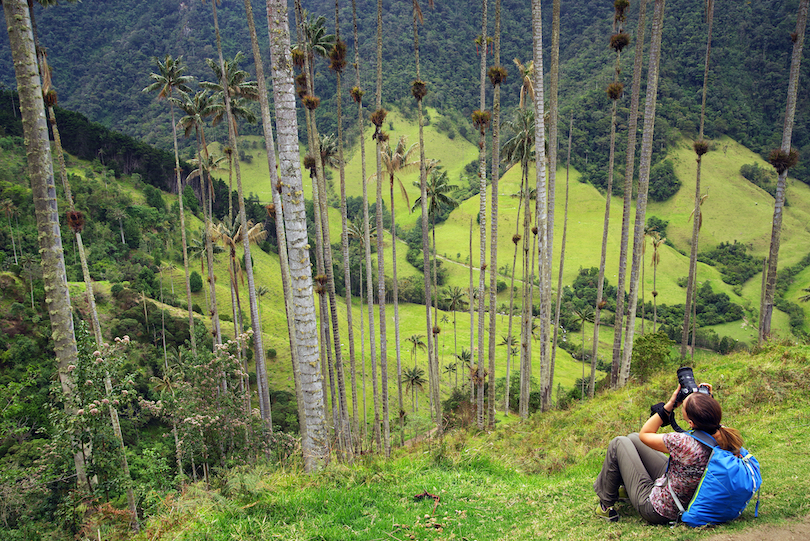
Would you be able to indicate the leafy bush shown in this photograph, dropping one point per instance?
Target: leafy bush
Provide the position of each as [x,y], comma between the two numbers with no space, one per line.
[735,264]
[663,182]
[650,355]
[195,282]
[764,177]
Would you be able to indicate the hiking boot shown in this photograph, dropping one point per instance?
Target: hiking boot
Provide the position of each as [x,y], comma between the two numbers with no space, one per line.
[608,514]
[623,497]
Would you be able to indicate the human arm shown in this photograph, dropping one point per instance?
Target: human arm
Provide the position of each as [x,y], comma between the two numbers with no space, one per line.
[649,432]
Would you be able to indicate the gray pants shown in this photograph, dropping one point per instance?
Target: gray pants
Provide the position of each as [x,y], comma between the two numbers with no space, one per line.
[631,463]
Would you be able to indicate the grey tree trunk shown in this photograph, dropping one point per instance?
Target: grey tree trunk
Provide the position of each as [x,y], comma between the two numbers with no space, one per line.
[630,163]
[493,249]
[766,311]
[281,234]
[482,217]
[38,151]
[643,184]
[543,202]
[314,442]
[554,115]
[697,219]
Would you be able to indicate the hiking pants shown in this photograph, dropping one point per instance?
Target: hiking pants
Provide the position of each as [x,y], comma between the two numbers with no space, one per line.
[631,463]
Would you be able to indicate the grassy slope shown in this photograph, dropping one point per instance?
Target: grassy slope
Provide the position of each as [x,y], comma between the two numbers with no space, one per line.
[523,481]
[723,222]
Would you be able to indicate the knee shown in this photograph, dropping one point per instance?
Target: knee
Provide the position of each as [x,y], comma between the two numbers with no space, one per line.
[617,442]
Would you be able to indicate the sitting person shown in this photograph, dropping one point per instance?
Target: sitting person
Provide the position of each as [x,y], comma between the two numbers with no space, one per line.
[635,466]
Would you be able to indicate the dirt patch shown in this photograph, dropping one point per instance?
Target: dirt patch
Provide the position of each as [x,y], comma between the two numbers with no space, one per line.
[793,531]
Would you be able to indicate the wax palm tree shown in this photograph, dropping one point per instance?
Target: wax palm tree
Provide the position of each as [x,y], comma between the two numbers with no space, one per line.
[42,185]
[783,159]
[258,339]
[465,358]
[454,297]
[644,182]
[583,314]
[614,91]
[658,240]
[396,161]
[170,77]
[314,438]
[439,193]
[630,163]
[419,90]
[414,380]
[526,73]
[701,147]
[417,342]
[230,235]
[547,374]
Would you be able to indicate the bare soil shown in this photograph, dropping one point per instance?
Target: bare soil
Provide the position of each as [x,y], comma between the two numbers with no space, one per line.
[798,530]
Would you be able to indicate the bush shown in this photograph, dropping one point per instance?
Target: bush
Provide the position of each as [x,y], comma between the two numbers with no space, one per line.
[663,182]
[650,355]
[195,282]
[271,353]
[116,289]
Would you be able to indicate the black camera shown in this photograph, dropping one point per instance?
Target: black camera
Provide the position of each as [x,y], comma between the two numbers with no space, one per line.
[688,386]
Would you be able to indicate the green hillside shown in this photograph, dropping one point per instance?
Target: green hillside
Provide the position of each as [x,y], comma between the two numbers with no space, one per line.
[521,481]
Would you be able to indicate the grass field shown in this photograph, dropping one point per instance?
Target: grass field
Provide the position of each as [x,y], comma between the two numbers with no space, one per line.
[524,480]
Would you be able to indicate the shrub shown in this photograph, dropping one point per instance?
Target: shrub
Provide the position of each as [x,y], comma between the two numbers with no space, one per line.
[650,355]
[116,289]
[195,282]
[663,182]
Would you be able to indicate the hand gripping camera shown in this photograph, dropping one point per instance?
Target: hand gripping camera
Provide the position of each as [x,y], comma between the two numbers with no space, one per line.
[688,386]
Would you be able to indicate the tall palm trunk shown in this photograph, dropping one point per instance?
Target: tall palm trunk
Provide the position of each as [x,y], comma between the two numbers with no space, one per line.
[543,202]
[357,94]
[615,91]
[766,311]
[562,258]
[495,77]
[380,253]
[526,306]
[419,90]
[256,324]
[701,147]
[630,163]
[643,184]
[547,369]
[472,317]
[515,239]
[76,224]
[338,63]
[38,151]
[482,213]
[314,441]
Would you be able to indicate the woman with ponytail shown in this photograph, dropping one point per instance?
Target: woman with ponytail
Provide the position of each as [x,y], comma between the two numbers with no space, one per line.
[636,467]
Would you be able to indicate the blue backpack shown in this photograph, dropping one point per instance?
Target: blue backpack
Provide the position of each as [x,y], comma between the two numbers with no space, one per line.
[728,484]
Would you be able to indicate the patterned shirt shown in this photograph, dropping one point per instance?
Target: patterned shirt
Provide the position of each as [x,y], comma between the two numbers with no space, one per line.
[687,461]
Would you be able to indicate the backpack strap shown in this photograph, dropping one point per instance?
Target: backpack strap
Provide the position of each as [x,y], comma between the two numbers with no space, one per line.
[703,437]
[708,441]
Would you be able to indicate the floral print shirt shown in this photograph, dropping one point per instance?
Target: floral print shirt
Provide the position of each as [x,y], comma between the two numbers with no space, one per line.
[687,461]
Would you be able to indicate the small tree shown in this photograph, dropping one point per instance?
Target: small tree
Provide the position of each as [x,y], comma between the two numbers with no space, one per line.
[651,354]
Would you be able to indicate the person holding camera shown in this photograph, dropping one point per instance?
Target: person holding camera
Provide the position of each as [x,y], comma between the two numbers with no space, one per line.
[636,466]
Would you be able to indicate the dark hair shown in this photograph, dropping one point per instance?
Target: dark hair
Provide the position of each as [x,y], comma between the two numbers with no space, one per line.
[705,413]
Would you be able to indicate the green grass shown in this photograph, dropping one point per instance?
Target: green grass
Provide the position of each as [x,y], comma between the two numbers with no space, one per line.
[525,480]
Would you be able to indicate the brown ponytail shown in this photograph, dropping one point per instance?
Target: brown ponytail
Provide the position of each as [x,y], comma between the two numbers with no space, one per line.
[705,413]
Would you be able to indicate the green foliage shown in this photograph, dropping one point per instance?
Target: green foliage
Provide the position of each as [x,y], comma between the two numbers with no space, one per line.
[663,182]
[195,282]
[654,223]
[651,355]
[736,265]
[764,177]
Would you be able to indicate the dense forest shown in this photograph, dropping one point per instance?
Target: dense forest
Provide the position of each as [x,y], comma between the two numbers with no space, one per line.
[98,50]
[165,326]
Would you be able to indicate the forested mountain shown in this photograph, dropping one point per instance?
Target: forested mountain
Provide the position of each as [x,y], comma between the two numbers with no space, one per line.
[101,54]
